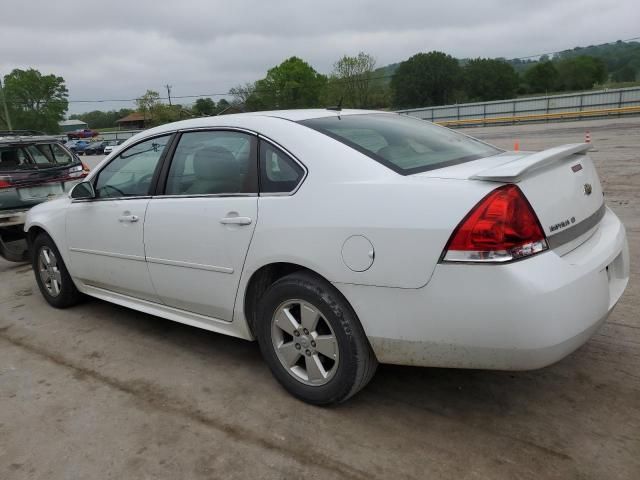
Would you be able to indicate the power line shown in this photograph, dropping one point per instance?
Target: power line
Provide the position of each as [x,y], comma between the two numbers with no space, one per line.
[567,49]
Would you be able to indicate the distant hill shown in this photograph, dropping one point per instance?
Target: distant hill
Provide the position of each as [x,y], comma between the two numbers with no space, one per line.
[617,55]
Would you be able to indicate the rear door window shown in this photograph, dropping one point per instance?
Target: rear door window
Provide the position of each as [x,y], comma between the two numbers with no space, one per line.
[213,163]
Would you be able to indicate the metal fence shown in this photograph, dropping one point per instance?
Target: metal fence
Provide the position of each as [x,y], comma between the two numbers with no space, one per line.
[534,108]
[118,134]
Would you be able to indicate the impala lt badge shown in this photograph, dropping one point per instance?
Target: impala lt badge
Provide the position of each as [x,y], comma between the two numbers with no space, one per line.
[587,189]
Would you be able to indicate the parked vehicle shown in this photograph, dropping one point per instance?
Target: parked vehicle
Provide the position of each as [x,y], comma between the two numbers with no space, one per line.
[33,168]
[95,148]
[339,239]
[83,133]
[78,146]
[112,145]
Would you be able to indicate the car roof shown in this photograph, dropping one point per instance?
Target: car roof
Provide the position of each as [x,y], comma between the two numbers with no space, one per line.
[13,139]
[307,113]
[235,119]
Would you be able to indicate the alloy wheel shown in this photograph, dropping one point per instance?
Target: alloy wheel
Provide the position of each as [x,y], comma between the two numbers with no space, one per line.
[50,274]
[304,342]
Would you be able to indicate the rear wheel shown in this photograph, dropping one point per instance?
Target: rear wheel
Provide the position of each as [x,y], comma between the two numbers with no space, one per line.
[312,340]
[52,275]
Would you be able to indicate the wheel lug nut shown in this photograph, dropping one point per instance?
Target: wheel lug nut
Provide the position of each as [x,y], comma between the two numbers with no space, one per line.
[313,344]
[306,332]
[296,333]
[307,353]
[298,346]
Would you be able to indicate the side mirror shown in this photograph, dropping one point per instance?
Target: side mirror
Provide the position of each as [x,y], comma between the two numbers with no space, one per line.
[83,191]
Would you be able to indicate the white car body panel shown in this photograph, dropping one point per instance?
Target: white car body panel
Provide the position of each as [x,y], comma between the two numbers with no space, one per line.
[106,250]
[511,317]
[202,276]
[414,309]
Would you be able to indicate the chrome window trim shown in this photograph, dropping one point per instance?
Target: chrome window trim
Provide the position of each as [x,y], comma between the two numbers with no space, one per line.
[207,195]
[294,158]
[213,129]
[108,199]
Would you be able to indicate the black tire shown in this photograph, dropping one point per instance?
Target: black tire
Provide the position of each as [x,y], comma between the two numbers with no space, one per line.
[357,363]
[68,295]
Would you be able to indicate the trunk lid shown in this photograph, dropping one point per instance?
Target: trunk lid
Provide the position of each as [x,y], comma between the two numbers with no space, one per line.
[561,184]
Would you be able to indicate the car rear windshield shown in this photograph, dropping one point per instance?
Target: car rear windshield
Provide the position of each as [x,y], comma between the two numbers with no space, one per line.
[405,144]
[33,156]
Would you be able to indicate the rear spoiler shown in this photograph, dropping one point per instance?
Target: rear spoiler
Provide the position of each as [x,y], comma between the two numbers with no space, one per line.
[515,170]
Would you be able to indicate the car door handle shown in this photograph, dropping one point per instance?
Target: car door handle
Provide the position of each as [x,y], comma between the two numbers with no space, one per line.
[129,218]
[236,221]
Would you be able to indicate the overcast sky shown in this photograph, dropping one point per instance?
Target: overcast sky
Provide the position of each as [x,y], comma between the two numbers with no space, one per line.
[119,49]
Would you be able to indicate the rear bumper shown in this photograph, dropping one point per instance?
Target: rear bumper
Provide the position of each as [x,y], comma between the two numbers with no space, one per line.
[13,217]
[520,316]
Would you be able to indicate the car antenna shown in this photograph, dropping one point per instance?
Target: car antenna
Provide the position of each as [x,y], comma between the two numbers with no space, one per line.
[338,107]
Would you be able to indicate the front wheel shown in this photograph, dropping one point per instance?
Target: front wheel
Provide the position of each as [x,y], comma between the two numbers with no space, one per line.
[312,340]
[52,275]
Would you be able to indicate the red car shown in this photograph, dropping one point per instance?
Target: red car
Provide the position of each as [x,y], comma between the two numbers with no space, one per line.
[85,133]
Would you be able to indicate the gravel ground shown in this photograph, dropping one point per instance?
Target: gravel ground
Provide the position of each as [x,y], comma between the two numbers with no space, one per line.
[99,391]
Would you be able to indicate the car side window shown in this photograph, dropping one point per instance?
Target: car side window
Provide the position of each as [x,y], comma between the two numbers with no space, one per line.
[213,163]
[131,172]
[13,158]
[41,154]
[279,173]
[61,155]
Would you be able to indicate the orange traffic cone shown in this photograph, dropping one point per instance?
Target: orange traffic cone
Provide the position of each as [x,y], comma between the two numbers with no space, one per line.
[516,146]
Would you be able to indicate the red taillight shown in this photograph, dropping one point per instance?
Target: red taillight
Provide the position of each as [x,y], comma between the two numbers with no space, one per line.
[5,182]
[500,228]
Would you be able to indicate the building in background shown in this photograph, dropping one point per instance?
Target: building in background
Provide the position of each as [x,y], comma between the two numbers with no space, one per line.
[133,121]
[71,125]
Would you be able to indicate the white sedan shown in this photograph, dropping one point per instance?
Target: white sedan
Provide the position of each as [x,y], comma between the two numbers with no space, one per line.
[340,239]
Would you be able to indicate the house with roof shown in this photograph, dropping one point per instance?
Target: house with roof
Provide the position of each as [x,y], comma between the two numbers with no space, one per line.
[133,121]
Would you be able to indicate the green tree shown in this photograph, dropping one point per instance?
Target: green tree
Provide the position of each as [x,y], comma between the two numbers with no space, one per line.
[242,93]
[624,74]
[490,79]
[292,84]
[35,101]
[99,119]
[222,106]
[147,103]
[157,113]
[426,79]
[204,107]
[542,77]
[580,73]
[351,80]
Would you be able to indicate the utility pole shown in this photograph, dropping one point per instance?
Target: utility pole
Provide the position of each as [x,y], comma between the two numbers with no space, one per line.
[6,110]
[168,87]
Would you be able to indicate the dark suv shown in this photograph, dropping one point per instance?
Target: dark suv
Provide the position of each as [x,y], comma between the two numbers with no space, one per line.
[33,168]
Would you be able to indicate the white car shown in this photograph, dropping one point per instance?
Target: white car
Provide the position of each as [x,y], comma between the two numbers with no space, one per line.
[339,239]
[112,145]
